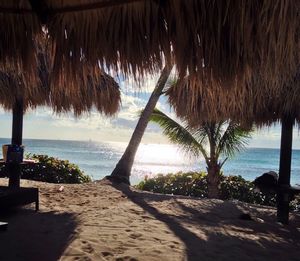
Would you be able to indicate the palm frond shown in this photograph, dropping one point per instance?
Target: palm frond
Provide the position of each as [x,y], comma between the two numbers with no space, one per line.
[178,134]
[233,140]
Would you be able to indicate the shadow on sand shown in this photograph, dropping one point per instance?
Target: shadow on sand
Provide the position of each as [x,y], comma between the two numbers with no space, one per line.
[35,235]
[241,243]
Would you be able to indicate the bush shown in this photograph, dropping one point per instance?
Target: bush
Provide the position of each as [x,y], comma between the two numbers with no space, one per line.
[187,184]
[195,184]
[50,169]
[236,187]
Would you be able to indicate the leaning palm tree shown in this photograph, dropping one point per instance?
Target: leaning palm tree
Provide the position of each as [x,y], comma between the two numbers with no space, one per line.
[211,140]
[122,171]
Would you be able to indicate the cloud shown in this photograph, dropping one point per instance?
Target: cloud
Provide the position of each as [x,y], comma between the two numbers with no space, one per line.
[129,85]
[131,106]
[2,111]
[43,123]
[93,120]
[146,86]
[269,137]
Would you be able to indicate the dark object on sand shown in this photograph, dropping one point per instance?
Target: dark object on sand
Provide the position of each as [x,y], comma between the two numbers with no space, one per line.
[267,182]
[245,216]
[17,197]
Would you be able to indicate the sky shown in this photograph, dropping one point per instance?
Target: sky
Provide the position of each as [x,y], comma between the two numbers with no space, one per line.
[42,123]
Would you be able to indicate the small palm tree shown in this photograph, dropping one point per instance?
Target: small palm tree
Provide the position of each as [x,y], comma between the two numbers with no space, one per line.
[211,140]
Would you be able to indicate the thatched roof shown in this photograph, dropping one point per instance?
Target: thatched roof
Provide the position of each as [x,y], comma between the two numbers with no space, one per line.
[218,42]
[99,91]
[12,87]
[17,33]
[261,104]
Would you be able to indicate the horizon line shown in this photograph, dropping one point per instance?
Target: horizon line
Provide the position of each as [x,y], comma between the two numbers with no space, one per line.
[111,141]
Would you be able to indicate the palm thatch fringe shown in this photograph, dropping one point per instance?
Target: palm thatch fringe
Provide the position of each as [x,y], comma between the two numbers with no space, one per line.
[216,43]
[260,104]
[17,34]
[101,93]
[95,91]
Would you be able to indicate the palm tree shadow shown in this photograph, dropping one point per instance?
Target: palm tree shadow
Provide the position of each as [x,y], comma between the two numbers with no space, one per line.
[192,248]
[36,235]
[215,243]
[225,210]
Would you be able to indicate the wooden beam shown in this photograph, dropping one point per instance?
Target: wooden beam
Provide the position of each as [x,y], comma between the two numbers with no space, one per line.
[283,197]
[92,6]
[41,9]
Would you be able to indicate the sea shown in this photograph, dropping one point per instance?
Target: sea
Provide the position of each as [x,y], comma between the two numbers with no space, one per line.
[98,159]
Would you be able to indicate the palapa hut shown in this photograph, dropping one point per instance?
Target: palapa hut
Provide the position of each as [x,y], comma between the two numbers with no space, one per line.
[218,43]
[101,93]
[261,105]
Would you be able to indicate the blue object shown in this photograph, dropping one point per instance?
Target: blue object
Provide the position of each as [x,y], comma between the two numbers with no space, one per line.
[15,153]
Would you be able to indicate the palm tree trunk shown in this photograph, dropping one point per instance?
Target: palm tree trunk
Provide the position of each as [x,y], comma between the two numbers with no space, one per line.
[213,168]
[122,171]
[213,180]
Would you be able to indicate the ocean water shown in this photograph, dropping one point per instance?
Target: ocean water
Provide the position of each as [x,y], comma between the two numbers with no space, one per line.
[98,159]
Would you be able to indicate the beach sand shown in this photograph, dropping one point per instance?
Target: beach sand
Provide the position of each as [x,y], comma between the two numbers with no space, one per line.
[101,221]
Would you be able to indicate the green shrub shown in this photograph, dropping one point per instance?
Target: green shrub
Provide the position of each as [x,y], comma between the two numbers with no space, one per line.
[187,184]
[50,169]
[195,184]
[236,187]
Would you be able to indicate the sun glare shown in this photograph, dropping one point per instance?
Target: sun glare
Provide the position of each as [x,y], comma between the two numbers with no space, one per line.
[159,158]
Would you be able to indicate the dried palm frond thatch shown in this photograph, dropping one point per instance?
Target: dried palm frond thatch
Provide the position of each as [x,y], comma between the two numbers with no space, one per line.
[222,43]
[215,41]
[19,27]
[12,88]
[99,91]
[259,104]
[93,91]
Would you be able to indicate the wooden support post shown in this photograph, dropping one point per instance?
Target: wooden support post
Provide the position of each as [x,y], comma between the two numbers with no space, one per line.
[17,125]
[283,196]
[17,134]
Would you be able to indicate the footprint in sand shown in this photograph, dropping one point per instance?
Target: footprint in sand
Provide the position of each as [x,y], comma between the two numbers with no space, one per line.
[156,251]
[106,254]
[83,258]
[126,258]
[135,235]
[87,247]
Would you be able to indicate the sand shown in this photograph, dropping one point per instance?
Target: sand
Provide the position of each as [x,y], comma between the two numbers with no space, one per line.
[101,221]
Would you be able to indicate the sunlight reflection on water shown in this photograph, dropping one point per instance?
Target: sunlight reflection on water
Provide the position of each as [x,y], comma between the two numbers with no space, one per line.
[157,158]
